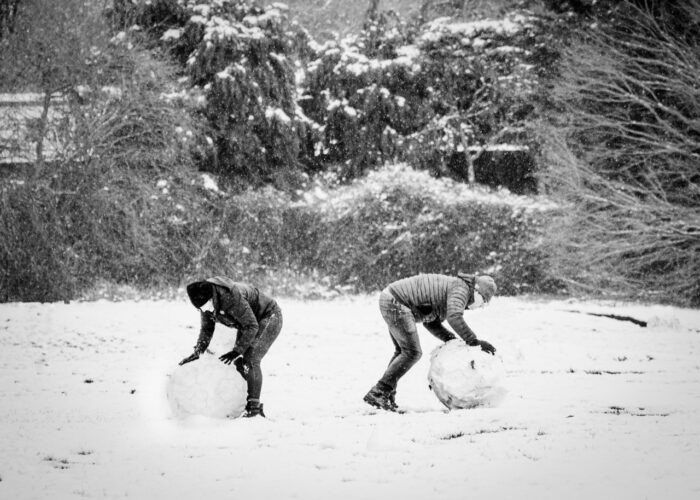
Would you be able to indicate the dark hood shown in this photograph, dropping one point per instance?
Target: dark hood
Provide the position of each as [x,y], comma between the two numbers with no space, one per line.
[200,292]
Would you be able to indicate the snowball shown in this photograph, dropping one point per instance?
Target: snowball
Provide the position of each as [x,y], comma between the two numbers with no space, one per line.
[207,387]
[463,376]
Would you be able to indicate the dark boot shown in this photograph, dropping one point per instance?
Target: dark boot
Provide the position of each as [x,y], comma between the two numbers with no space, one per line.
[253,409]
[384,400]
[392,398]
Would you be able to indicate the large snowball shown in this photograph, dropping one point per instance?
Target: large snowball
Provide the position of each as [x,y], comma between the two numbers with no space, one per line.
[207,387]
[462,376]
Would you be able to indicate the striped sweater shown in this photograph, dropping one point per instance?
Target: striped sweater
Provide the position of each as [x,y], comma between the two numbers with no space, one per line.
[434,298]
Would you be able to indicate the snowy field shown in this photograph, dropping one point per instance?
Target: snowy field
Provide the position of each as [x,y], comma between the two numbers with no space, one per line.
[597,408]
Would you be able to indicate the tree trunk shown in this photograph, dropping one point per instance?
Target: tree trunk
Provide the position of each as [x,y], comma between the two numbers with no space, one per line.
[41,133]
[425,7]
[8,15]
[372,10]
[471,176]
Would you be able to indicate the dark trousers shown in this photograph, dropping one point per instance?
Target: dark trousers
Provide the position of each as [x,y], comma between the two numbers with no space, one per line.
[404,335]
[269,327]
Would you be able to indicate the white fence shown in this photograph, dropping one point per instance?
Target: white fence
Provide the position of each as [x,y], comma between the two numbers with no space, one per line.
[20,127]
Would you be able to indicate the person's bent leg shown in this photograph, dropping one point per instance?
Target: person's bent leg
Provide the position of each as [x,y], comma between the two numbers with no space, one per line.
[404,336]
[397,349]
[269,329]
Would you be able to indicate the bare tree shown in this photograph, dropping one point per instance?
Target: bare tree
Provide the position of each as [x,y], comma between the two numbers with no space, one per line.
[8,15]
[372,10]
[624,161]
[51,51]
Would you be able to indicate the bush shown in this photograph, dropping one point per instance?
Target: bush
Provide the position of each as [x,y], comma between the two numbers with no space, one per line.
[390,224]
[625,157]
[240,61]
[422,94]
[257,232]
[118,206]
[33,258]
[397,222]
[387,225]
[125,206]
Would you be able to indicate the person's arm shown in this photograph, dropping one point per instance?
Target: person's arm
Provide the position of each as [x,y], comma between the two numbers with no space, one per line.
[439,331]
[206,331]
[457,300]
[241,310]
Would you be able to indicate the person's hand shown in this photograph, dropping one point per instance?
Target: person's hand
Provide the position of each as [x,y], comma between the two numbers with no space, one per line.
[238,361]
[486,347]
[230,357]
[242,366]
[189,358]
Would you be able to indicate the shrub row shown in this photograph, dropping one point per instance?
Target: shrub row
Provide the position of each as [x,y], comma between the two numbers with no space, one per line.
[392,223]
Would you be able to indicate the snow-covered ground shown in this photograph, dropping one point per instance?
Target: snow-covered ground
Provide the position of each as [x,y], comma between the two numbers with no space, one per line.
[597,408]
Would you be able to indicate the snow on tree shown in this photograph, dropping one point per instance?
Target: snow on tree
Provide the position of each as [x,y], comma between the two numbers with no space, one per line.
[423,94]
[240,62]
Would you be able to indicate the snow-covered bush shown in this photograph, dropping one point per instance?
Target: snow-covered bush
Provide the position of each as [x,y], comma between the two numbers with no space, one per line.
[422,95]
[257,234]
[391,223]
[433,95]
[397,221]
[240,61]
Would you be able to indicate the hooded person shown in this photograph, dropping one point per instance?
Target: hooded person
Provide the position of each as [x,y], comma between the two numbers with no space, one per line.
[429,299]
[256,316]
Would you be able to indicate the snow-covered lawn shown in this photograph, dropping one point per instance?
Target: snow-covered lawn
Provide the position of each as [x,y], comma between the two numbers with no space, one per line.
[597,408]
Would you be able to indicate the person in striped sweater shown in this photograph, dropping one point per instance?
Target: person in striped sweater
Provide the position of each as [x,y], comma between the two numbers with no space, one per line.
[429,299]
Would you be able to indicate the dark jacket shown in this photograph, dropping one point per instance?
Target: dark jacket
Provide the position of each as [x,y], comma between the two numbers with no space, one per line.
[236,305]
[434,298]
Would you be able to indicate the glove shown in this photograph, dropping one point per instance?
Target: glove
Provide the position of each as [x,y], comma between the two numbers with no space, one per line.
[230,357]
[237,359]
[486,347]
[189,358]
[242,366]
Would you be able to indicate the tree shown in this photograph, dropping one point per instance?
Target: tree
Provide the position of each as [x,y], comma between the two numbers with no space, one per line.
[8,15]
[51,49]
[624,162]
